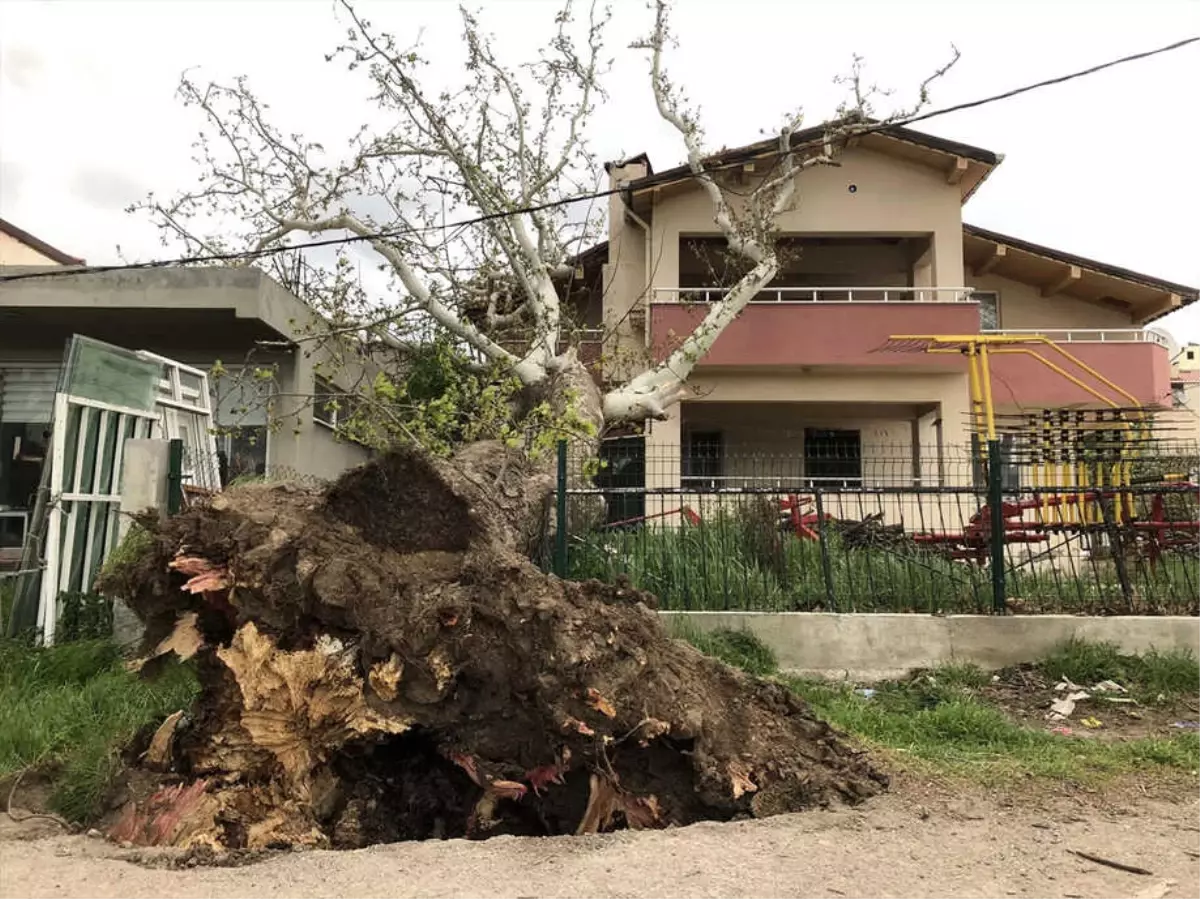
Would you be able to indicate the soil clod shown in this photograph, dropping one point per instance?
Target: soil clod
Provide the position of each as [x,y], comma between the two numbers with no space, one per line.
[380,662]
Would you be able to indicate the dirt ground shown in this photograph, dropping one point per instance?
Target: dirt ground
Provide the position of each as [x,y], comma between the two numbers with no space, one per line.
[920,840]
[1026,695]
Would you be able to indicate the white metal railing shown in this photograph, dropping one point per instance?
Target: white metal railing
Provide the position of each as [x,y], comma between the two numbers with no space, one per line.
[1085,335]
[820,294]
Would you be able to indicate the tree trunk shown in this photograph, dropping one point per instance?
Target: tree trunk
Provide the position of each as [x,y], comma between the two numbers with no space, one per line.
[380,662]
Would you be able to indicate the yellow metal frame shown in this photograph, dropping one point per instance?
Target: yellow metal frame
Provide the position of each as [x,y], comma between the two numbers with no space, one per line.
[1078,476]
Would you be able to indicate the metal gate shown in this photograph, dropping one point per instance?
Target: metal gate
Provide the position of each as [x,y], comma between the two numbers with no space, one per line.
[186,414]
[107,396]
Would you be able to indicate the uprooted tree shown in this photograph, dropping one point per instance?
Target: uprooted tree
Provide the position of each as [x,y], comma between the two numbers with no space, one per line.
[465,200]
[379,660]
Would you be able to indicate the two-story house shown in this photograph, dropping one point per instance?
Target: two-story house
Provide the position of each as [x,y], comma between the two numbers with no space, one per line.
[824,371]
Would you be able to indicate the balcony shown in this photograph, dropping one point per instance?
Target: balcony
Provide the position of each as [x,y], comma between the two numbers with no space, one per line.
[818,326]
[1135,361]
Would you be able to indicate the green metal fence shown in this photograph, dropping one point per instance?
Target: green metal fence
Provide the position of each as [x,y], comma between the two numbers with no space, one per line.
[946,532]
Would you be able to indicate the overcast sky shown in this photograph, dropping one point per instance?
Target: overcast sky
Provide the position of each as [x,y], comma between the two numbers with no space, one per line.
[1105,166]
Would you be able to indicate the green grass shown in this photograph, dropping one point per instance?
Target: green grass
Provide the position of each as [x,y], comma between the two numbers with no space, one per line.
[950,730]
[937,720]
[68,710]
[741,649]
[1150,675]
[8,589]
[738,560]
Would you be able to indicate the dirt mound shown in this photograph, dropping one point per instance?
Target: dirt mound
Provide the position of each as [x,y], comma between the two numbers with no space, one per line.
[379,662]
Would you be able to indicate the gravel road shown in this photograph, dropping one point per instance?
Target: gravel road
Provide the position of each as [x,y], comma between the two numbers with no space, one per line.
[909,844]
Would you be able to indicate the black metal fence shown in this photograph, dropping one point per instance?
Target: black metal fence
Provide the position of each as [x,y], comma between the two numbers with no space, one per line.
[891,529]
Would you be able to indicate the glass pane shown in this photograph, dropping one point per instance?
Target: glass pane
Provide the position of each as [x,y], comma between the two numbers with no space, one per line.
[108,374]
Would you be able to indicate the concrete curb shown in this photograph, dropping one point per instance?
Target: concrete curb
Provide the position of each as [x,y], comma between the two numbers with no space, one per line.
[877,646]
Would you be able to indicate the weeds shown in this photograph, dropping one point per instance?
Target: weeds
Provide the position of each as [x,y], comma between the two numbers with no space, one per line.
[952,730]
[1148,676]
[68,710]
[738,561]
[938,720]
[741,649]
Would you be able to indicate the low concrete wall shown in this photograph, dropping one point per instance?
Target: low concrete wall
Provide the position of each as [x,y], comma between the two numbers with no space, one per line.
[144,470]
[876,646]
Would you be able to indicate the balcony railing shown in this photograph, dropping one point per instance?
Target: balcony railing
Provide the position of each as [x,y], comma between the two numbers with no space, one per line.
[820,294]
[1084,335]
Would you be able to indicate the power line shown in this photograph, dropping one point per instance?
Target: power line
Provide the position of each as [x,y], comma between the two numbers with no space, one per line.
[1052,81]
[246,255]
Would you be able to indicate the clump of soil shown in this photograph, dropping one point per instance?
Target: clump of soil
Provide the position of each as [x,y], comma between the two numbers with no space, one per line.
[380,662]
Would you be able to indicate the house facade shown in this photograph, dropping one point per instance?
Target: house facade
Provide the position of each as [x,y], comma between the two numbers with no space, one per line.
[234,324]
[853,366]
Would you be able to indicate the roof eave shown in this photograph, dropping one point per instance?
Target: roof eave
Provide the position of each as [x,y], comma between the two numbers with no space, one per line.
[1186,293]
[38,245]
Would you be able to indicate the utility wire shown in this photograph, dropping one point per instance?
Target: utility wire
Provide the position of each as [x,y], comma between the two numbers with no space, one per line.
[246,255]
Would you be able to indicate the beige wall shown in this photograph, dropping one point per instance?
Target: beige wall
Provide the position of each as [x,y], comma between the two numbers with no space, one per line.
[854,398]
[1188,358]
[766,440]
[1181,423]
[1023,307]
[892,197]
[624,278]
[13,252]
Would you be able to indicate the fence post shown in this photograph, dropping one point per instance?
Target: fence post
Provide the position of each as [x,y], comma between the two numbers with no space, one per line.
[826,568]
[174,476]
[995,484]
[560,513]
[1116,546]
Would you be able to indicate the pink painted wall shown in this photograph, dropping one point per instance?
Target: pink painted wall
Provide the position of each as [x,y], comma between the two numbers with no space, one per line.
[850,334]
[1140,368]
[818,334]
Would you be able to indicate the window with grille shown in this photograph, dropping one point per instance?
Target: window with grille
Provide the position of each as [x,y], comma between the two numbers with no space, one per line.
[832,458]
[704,459]
[989,309]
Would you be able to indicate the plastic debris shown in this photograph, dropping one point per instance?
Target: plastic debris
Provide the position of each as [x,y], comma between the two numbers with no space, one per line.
[1061,731]
[865,692]
[1187,725]
[1092,723]
[1108,686]
[1061,709]
[1067,684]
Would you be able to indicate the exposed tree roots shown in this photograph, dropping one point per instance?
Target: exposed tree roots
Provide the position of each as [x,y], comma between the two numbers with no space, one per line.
[379,662]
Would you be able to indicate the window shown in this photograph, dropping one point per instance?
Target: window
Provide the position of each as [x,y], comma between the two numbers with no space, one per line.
[242,453]
[1178,394]
[332,405]
[832,458]
[624,467]
[704,459]
[989,309]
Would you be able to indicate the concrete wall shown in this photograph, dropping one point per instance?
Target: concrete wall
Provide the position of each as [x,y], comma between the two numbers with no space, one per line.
[876,646]
[768,438]
[144,469]
[318,453]
[891,197]
[1022,307]
[947,394]
[1181,424]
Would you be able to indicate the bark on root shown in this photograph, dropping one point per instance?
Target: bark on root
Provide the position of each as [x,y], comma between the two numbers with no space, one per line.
[380,662]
